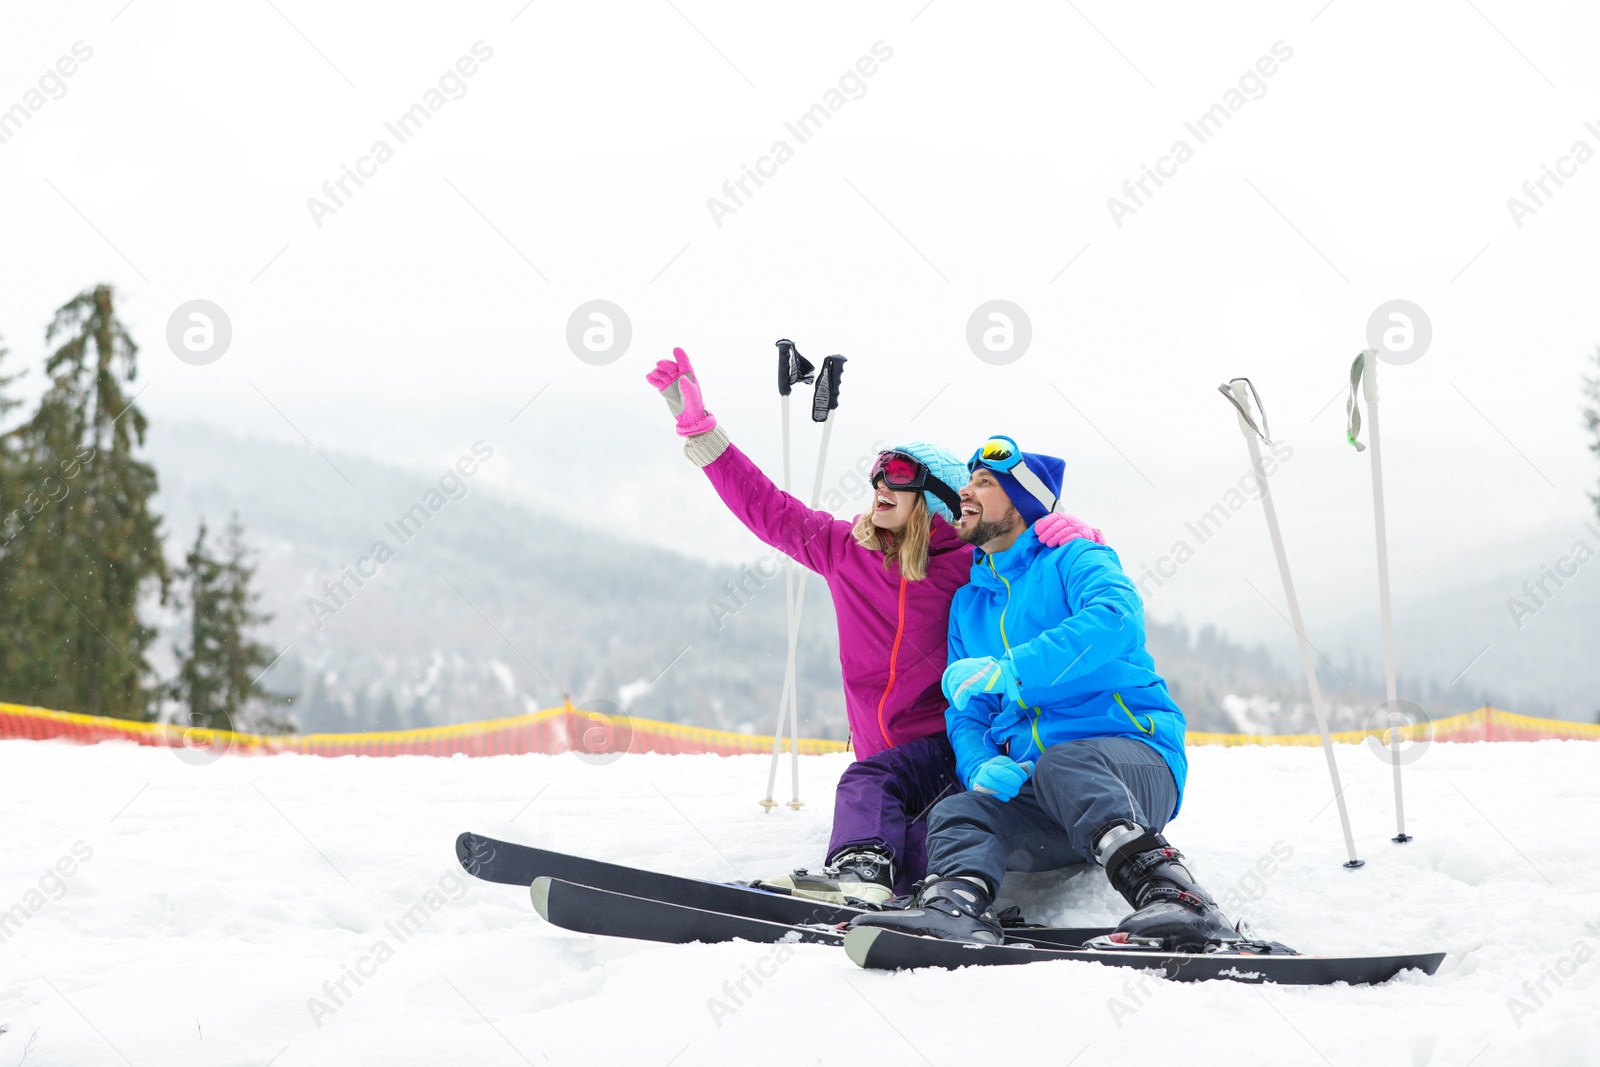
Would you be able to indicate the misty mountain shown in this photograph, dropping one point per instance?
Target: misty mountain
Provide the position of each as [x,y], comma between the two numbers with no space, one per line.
[1525,640]
[414,597]
[407,598]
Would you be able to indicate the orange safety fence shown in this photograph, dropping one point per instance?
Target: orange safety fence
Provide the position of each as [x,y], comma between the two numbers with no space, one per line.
[1485,724]
[553,730]
[596,734]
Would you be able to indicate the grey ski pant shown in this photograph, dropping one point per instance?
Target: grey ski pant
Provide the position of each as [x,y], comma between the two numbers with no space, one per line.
[1078,788]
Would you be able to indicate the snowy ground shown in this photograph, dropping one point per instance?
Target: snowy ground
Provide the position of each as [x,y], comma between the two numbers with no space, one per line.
[215,902]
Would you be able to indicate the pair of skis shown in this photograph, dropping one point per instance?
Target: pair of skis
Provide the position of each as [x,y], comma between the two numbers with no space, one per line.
[793,369]
[592,897]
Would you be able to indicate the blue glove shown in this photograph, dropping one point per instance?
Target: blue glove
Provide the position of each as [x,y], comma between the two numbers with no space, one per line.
[1002,776]
[965,678]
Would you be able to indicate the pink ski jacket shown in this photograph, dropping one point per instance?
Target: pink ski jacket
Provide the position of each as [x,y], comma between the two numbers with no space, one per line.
[893,633]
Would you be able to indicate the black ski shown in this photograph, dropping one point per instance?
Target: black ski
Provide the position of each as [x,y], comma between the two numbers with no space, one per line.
[598,911]
[889,950]
[512,864]
[592,910]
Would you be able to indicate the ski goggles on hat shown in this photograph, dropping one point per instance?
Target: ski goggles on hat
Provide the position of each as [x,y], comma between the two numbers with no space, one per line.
[1000,453]
[901,472]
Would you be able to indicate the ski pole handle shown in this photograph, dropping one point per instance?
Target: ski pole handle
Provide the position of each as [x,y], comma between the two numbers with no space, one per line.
[792,366]
[826,396]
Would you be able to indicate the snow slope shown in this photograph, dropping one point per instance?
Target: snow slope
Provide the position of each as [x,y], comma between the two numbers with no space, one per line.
[215,902]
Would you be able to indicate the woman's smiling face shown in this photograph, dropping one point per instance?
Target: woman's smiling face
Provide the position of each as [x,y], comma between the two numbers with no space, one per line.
[891,508]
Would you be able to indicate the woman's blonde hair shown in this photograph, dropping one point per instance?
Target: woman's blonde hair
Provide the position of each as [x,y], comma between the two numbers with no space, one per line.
[911,549]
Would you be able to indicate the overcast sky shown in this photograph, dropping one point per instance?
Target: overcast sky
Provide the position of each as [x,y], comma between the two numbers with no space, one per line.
[426,307]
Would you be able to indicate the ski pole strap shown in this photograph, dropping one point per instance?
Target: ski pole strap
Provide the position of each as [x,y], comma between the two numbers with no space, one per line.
[1261,431]
[1352,412]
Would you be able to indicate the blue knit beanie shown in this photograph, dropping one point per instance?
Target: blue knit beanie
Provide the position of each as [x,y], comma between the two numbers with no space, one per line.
[942,464]
[1050,471]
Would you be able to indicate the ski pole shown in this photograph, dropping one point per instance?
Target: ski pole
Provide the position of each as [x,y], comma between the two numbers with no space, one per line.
[1366,364]
[824,401]
[1236,393]
[792,368]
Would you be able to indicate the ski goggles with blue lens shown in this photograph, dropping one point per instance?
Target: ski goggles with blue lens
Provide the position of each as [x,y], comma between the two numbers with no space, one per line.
[1000,453]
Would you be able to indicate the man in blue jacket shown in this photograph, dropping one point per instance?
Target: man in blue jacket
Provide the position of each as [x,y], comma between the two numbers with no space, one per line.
[1069,744]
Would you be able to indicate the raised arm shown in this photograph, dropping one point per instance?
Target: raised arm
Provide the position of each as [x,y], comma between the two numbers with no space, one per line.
[814,538]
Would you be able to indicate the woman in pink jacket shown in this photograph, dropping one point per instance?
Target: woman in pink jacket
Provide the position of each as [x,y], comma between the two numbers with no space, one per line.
[892,572]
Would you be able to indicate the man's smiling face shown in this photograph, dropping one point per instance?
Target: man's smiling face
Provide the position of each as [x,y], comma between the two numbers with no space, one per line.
[987,513]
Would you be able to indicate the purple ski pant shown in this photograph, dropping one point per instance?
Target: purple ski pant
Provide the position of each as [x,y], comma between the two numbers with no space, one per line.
[884,800]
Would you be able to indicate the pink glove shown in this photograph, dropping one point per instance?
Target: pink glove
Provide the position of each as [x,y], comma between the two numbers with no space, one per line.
[1056,529]
[681,391]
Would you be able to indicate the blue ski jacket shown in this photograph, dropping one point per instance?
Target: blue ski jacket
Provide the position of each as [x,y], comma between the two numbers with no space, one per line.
[1072,626]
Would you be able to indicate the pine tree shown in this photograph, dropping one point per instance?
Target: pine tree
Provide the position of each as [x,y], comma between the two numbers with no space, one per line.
[6,402]
[220,666]
[7,405]
[19,503]
[11,512]
[88,546]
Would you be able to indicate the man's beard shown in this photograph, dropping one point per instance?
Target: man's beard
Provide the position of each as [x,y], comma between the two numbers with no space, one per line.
[986,530]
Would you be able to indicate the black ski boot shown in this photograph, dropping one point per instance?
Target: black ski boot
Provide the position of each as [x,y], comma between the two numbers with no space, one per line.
[956,909]
[1173,912]
[857,876]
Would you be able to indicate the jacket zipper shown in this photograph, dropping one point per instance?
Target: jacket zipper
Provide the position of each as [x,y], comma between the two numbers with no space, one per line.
[1034,726]
[1137,724]
[894,657]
